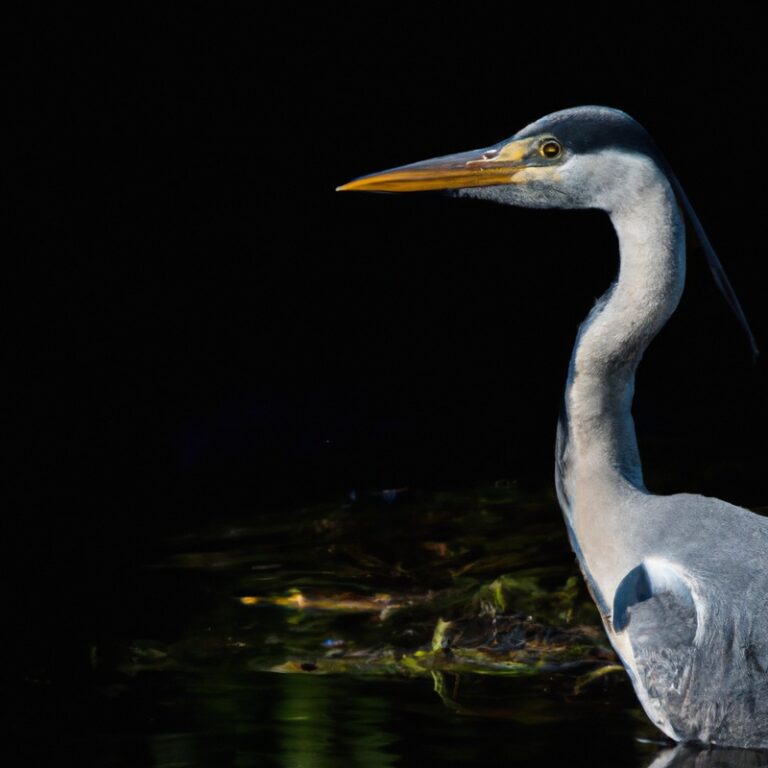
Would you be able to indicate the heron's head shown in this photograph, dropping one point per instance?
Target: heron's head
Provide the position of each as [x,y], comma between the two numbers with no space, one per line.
[585,157]
[576,158]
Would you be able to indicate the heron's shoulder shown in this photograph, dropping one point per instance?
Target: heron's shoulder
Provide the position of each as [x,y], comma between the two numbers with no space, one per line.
[709,507]
[704,533]
[658,587]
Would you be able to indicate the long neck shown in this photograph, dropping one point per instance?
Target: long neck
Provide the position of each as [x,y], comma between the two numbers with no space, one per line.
[596,436]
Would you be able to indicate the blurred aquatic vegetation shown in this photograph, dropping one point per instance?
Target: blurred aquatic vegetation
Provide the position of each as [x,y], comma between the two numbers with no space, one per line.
[457,587]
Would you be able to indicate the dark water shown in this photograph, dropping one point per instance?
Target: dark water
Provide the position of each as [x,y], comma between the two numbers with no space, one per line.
[450,628]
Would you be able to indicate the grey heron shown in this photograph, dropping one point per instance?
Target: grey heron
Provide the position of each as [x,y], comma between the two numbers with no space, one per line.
[681,581]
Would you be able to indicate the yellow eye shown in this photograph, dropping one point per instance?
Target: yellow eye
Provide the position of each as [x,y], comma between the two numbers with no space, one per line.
[550,148]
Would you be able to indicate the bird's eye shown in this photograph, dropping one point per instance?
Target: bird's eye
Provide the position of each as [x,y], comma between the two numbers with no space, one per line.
[551,148]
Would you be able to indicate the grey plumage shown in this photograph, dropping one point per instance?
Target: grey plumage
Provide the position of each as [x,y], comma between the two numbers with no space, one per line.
[680,581]
[699,648]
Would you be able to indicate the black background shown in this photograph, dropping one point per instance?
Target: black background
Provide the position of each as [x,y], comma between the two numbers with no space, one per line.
[201,328]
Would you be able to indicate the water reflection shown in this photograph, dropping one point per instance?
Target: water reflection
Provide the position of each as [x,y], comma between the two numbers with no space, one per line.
[317,723]
[687,756]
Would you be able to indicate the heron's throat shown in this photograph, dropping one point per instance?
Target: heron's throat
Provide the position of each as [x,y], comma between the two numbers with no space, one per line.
[599,438]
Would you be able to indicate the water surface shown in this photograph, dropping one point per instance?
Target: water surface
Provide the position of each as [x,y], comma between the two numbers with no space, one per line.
[380,630]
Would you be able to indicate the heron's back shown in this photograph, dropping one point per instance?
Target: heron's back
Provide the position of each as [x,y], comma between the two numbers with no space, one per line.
[691,620]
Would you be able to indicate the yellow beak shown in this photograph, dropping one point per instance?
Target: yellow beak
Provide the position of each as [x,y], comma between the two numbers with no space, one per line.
[477,168]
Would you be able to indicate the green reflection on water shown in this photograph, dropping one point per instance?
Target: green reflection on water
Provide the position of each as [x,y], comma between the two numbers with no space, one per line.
[318,720]
[303,715]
